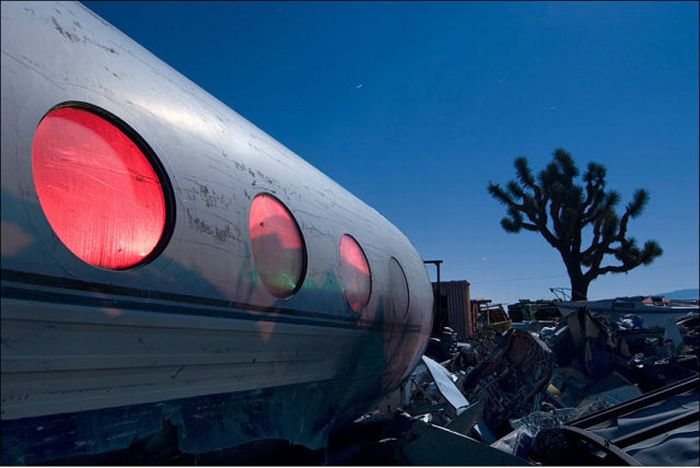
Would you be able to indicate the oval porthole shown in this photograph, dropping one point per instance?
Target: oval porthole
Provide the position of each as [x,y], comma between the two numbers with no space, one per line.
[278,246]
[398,292]
[99,189]
[355,275]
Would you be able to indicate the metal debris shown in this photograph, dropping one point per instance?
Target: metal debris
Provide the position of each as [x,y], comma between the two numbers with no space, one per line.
[584,390]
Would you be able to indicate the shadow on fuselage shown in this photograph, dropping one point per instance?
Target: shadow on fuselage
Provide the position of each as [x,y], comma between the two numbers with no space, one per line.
[301,414]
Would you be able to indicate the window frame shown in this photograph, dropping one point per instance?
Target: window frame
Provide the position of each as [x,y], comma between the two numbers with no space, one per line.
[169,203]
[304,251]
[342,281]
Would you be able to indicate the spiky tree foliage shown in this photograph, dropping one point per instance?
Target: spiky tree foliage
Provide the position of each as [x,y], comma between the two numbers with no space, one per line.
[559,209]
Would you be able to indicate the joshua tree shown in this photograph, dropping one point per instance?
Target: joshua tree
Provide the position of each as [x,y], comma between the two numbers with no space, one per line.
[560,210]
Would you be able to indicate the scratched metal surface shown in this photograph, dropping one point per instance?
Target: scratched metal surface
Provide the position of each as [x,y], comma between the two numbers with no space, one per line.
[196,320]
[217,162]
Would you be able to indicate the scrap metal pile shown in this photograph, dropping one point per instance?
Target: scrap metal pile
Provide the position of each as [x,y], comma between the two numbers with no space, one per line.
[599,388]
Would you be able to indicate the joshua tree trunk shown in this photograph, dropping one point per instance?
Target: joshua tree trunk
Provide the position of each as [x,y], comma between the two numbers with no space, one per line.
[579,282]
[579,289]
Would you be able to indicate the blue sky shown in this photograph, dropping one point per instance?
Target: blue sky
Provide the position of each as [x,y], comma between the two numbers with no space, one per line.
[414,107]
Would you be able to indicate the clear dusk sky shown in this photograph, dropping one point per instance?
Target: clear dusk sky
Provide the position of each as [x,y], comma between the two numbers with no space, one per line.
[414,107]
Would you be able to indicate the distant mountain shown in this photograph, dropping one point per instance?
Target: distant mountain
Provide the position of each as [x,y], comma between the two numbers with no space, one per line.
[682,294]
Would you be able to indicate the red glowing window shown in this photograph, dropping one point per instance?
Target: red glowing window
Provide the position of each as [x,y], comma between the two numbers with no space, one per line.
[278,248]
[355,275]
[98,190]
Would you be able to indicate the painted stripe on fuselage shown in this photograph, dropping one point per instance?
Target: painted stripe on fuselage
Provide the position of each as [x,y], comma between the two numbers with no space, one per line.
[186,304]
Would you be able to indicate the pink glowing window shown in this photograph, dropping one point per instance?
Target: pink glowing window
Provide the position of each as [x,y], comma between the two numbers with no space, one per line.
[97,188]
[355,275]
[278,248]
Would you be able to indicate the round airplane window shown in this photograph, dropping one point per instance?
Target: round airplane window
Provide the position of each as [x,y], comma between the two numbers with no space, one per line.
[355,275]
[98,189]
[278,246]
[397,306]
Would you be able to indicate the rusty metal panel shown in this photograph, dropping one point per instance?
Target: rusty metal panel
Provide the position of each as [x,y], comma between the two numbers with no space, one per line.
[458,310]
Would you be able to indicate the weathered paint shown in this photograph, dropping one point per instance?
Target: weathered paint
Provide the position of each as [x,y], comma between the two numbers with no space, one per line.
[82,346]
